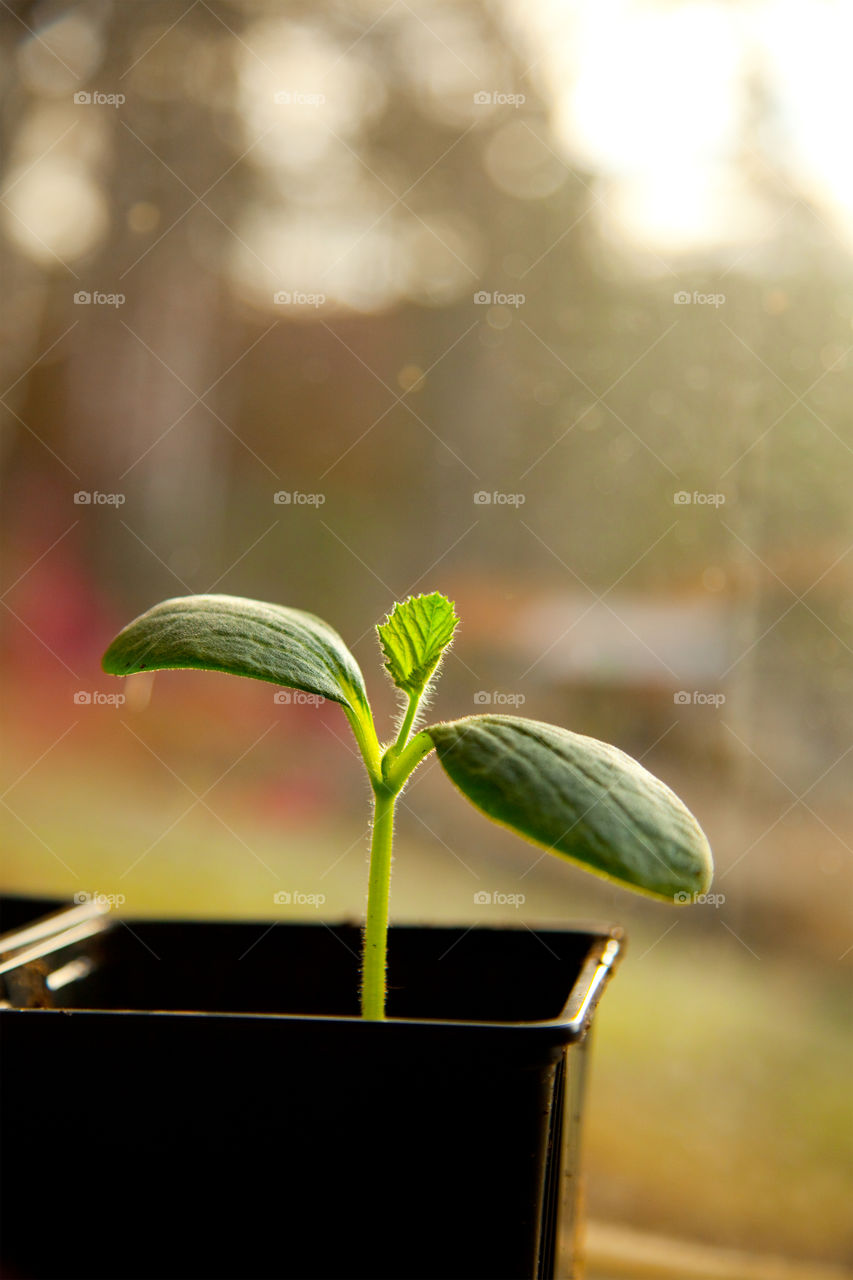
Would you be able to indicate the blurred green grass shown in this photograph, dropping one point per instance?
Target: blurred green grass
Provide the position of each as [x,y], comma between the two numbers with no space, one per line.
[720,1105]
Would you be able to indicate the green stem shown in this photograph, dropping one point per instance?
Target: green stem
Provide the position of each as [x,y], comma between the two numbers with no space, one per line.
[408,720]
[368,743]
[375,939]
[375,943]
[396,768]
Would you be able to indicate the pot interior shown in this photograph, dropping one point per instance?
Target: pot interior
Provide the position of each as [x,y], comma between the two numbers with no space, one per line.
[482,974]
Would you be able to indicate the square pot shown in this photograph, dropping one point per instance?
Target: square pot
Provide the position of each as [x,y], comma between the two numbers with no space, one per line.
[200,1099]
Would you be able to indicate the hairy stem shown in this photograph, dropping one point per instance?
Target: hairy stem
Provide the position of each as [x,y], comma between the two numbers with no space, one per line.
[375,939]
[368,744]
[408,720]
[396,769]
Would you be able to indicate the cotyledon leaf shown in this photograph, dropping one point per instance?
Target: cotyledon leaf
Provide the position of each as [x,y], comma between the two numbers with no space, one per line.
[578,797]
[243,638]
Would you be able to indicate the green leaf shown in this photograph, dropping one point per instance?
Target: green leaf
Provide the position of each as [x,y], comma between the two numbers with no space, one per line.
[414,637]
[580,798]
[244,638]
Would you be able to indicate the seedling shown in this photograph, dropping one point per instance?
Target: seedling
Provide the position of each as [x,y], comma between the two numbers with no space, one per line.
[579,798]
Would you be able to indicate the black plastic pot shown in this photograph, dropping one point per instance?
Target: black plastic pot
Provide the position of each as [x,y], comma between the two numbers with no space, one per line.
[202,1100]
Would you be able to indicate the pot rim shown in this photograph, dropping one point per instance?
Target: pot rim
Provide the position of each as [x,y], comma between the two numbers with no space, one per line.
[52,939]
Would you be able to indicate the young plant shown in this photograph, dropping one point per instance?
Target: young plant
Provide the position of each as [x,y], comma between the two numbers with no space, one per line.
[575,796]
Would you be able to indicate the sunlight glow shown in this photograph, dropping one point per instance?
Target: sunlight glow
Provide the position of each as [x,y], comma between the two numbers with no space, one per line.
[54,211]
[658,99]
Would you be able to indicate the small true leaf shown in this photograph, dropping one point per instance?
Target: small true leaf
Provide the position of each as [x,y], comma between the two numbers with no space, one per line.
[580,798]
[414,637]
[244,638]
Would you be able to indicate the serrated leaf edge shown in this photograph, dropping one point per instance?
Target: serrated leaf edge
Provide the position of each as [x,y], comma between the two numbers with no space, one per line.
[423,670]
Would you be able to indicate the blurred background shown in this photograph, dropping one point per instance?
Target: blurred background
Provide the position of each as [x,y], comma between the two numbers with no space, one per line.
[548,306]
